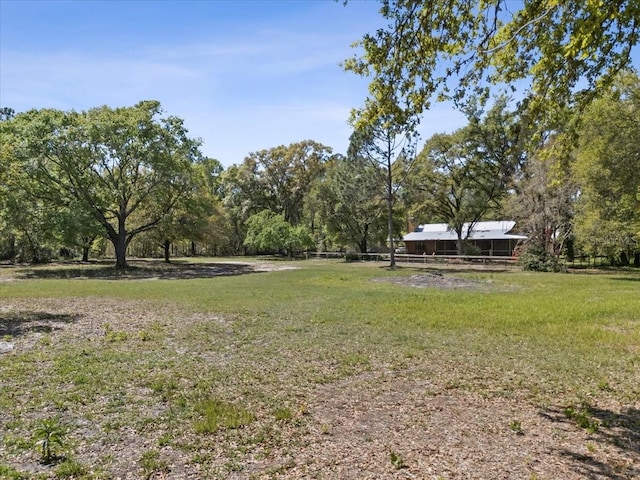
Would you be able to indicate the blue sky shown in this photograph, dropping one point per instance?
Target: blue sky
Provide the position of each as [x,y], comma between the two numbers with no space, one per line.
[245,75]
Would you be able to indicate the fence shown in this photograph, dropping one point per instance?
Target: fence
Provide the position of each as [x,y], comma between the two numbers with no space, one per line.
[425,259]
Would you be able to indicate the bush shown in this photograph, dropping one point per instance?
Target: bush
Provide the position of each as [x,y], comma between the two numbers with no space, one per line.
[352,257]
[538,260]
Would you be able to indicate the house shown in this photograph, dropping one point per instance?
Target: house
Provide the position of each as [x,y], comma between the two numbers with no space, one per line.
[492,238]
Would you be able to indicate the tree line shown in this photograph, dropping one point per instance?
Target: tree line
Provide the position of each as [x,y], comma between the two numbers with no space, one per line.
[562,160]
[131,178]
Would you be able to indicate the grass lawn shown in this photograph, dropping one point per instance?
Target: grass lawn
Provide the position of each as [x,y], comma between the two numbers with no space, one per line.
[318,369]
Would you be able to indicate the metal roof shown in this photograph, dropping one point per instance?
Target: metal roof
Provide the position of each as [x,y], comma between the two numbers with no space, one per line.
[496,230]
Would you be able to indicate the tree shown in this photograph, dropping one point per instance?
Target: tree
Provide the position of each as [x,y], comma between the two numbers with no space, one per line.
[351,202]
[267,231]
[386,144]
[543,209]
[606,167]
[451,48]
[284,176]
[192,214]
[27,224]
[126,167]
[277,179]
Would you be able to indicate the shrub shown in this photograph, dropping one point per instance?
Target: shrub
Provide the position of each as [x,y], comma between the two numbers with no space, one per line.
[537,259]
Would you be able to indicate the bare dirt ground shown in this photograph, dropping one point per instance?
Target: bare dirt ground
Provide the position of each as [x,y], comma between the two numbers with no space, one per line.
[377,425]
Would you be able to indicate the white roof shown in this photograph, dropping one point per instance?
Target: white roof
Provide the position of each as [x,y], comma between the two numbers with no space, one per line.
[496,230]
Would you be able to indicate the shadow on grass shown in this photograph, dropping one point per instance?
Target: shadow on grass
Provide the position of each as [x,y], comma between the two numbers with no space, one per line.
[618,431]
[627,279]
[136,271]
[16,324]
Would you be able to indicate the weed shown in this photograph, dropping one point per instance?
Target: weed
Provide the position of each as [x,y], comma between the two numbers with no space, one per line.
[165,386]
[604,385]
[397,460]
[71,469]
[283,414]
[165,439]
[48,435]
[10,473]
[114,336]
[151,464]
[581,416]
[215,415]
[516,426]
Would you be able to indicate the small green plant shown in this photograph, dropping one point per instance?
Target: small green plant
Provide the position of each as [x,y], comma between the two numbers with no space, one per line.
[516,426]
[283,414]
[114,336]
[581,416]
[11,473]
[604,385]
[49,434]
[165,386]
[71,469]
[150,463]
[397,460]
[215,415]
[325,429]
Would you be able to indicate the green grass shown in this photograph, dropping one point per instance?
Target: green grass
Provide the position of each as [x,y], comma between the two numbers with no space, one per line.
[237,357]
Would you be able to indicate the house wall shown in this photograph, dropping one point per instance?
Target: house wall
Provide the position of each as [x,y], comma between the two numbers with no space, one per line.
[502,247]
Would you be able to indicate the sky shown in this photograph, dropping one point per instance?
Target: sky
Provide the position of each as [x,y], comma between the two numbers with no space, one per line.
[244,75]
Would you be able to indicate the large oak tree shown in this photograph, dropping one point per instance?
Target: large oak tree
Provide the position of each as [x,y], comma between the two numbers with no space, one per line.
[125,167]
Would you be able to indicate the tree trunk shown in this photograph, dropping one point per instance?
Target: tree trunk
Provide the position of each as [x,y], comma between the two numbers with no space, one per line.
[193,248]
[392,253]
[120,244]
[86,246]
[167,247]
[363,241]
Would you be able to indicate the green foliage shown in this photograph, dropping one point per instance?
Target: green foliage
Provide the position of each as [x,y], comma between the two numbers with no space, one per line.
[283,414]
[72,470]
[388,144]
[123,168]
[397,461]
[268,232]
[443,48]
[10,473]
[215,415]
[582,417]
[544,207]
[516,426]
[151,464]
[350,202]
[48,435]
[533,258]
[606,167]
[277,179]
[114,336]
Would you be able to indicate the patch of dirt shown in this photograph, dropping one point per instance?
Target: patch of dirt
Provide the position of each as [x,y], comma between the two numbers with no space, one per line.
[434,280]
[398,425]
